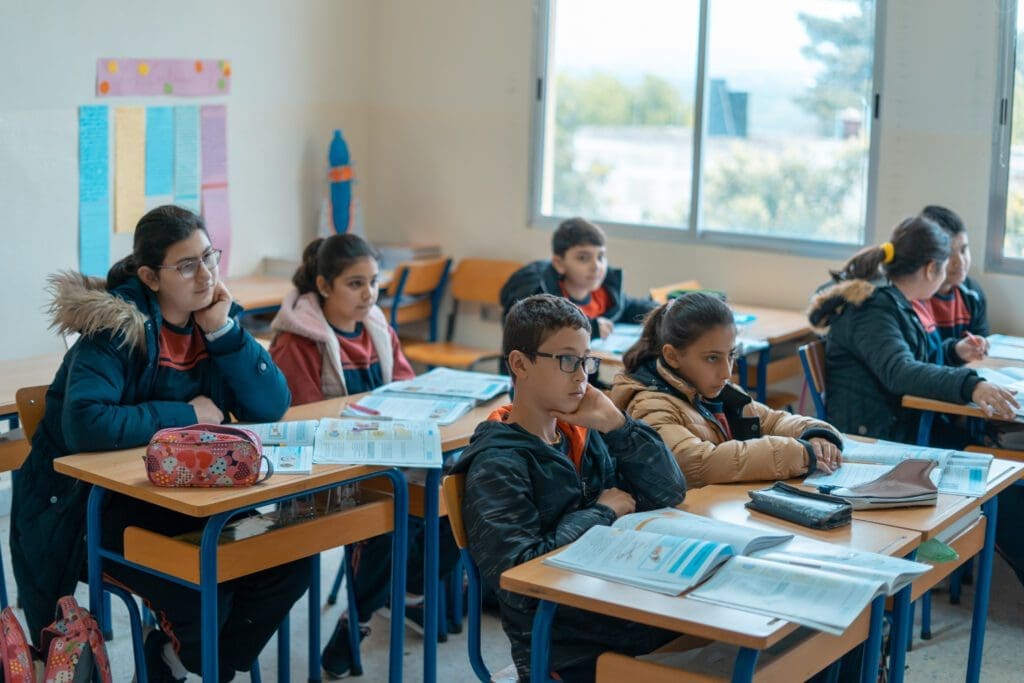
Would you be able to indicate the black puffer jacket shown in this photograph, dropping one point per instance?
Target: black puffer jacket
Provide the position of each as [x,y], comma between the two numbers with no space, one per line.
[525,498]
[876,351]
[540,277]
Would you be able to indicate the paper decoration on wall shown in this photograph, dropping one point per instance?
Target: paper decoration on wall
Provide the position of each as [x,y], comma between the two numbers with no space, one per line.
[216,210]
[340,177]
[93,190]
[159,156]
[170,77]
[186,157]
[129,167]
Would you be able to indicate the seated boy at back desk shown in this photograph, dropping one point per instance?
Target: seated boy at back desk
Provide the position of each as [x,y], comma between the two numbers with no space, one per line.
[539,473]
[579,271]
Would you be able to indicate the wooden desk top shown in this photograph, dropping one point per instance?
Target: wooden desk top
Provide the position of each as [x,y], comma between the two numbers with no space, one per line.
[25,372]
[123,471]
[774,325]
[258,291]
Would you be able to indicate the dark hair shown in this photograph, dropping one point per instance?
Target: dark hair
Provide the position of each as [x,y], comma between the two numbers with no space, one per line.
[947,219]
[329,258]
[155,233]
[533,319]
[678,323]
[574,232]
[916,242]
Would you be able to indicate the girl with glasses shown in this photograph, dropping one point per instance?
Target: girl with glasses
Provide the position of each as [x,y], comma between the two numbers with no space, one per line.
[159,347]
[678,380]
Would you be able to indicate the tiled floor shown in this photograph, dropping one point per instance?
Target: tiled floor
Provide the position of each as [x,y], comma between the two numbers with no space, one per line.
[940,659]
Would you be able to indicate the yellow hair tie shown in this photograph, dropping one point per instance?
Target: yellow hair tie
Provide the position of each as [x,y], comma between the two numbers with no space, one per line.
[890,252]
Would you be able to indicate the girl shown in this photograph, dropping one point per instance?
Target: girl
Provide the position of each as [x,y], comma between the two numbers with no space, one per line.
[159,347]
[677,380]
[331,339]
[877,350]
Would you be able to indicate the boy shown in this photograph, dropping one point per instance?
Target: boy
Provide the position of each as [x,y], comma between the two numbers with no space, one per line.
[578,270]
[561,459]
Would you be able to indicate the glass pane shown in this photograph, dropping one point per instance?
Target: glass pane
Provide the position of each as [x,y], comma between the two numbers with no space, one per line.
[787,118]
[1013,239]
[619,118]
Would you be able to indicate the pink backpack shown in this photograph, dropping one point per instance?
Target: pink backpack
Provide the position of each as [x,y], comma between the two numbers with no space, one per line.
[73,645]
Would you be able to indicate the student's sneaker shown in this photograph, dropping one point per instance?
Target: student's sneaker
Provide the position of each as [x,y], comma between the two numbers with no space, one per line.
[157,668]
[336,659]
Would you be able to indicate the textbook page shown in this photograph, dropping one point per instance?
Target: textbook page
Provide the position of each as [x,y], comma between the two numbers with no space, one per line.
[440,410]
[1008,378]
[623,336]
[893,572]
[823,600]
[1005,346]
[368,441]
[658,562]
[448,383]
[288,445]
[743,540]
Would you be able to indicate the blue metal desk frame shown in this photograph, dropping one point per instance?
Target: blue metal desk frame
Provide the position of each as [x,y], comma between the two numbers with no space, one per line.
[207,586]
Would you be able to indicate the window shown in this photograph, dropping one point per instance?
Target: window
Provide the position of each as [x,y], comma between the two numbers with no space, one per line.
[711,119]
[1005,249]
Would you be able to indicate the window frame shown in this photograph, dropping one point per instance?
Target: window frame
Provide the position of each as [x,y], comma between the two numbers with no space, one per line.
[542,120]
[1002,132]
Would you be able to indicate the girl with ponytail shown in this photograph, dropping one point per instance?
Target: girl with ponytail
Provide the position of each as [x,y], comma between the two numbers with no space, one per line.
[678,380]
[330,337]
[877,350]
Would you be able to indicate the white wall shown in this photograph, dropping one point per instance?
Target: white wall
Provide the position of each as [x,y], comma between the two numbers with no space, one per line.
[450,143]
[299,71]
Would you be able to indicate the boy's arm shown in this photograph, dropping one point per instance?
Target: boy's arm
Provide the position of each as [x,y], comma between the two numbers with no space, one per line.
[502,519]
[635,310]
[645,466]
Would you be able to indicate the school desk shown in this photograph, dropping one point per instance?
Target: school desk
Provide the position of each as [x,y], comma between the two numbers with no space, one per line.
[750,632]
[264,293]
[24,372]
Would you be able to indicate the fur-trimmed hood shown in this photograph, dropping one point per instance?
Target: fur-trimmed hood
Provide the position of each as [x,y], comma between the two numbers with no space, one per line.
[831,301]
[83,304]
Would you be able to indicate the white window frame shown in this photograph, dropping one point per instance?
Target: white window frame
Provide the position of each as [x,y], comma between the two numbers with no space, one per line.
[693,233]
[995,259]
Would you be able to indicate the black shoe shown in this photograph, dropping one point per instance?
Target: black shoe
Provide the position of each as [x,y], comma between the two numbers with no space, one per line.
[414,620]
[157,670]
[336,659]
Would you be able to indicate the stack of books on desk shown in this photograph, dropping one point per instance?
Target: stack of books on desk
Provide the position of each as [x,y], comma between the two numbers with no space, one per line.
[391,254]
[442,395]
[670,551]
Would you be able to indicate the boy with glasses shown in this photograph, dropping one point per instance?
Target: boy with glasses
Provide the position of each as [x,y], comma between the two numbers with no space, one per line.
[557,461]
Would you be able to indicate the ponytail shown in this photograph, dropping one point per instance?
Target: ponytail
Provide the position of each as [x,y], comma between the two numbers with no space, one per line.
[121,272]
[678,323]
[328,258]
[915,243]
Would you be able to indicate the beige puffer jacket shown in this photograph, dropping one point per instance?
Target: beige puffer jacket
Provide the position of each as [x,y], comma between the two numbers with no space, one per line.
[766,445]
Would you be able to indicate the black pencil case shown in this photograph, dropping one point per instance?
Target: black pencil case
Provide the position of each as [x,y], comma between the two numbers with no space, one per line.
[814,510]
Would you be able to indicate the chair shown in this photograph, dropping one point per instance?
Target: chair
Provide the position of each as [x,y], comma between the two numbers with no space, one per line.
[454,488]
[812,357]
[474,281]
[418,288]
[31,402]
[660,294]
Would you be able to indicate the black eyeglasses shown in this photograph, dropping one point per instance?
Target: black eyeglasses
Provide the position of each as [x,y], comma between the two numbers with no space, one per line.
[188,268]
[569,363]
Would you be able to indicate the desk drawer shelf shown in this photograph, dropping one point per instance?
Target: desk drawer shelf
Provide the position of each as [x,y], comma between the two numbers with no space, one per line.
[237,558]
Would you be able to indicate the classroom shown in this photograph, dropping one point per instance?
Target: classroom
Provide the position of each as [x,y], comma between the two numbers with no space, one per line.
[455,142]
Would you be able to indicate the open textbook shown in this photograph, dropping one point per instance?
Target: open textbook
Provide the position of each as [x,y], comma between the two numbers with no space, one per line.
[288,445]
[667,551]
[956,472]
[1005,346]
[1010,378]
[443,411]
[476,387]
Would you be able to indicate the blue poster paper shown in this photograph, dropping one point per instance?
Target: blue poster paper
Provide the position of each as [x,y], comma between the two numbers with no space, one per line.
[186,157]
[93,190]
[159,152]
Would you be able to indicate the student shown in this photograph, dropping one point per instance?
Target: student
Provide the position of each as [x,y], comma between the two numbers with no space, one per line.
[959,308]
[877,350]
[160,346]
[677,380]
[579,271]
[557,461]
[330,337]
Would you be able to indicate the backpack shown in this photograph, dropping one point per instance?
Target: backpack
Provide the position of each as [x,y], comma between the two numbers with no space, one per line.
[73,648]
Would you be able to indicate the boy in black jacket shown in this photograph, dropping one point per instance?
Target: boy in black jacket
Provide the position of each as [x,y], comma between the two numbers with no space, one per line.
[561,459]
[579,271]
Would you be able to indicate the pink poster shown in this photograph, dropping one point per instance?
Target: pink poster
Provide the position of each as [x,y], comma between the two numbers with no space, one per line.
[175,77]
[213,133]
